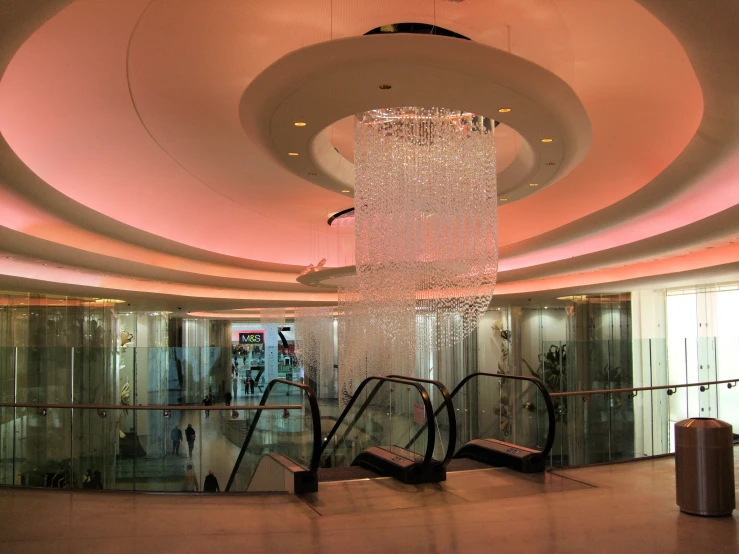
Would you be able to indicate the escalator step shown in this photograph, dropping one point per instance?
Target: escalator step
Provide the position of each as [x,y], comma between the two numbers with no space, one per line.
[344,474]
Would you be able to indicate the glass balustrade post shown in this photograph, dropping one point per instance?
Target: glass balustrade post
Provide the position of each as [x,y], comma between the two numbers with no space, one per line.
[15,411]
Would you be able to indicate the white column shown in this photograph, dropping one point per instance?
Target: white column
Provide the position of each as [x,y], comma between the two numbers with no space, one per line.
[270,351]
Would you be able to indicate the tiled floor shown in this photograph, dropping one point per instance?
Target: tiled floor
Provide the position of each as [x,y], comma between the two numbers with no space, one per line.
[619,508]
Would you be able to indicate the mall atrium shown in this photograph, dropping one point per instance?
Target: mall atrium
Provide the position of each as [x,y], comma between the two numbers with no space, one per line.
[367,275]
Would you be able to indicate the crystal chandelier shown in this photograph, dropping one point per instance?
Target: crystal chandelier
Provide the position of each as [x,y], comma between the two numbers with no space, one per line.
[426,222]
[314,345]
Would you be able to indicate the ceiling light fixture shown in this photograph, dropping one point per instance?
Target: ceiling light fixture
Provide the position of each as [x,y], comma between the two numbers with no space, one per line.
[293,154]
[533,184]
[385,87]
[504,110]
[504,200]
[300,123]
[345,190]
[546,139]
[551,163]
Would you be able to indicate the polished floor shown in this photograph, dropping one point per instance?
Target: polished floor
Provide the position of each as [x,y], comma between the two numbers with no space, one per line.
[618,508]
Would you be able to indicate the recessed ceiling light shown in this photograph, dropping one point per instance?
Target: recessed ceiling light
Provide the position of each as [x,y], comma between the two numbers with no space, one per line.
[345,190]
[551,163]
[313,173]
[300,123]
[293,154]
[533,184]
[385,87]
[504,110]
[546,139]
[504,200]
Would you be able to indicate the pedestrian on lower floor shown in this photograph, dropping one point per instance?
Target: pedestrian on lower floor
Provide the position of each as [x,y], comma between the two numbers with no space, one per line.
[191,480]
[211,483]
[176,436]
[190,436]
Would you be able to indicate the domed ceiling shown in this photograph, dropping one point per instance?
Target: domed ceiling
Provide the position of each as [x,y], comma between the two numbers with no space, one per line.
[145,143]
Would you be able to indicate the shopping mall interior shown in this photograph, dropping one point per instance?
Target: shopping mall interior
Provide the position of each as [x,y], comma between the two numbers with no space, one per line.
[389,276]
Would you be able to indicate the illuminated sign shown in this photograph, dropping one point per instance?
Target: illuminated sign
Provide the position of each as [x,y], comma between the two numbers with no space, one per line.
[253,337]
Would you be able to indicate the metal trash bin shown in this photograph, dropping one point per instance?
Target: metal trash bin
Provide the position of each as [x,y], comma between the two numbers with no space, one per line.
[704,467]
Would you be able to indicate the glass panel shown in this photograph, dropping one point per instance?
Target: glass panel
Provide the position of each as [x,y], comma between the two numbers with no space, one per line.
[284,431]
[494,407]
[386,414]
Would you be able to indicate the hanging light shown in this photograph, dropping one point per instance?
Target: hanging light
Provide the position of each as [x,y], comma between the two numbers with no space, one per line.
[426,219]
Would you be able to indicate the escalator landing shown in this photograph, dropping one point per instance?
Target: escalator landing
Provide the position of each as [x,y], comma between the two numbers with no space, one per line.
[372,495]
[351,473]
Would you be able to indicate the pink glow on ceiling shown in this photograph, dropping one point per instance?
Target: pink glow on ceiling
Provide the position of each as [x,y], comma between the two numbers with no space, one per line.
[18,214]
[636,133]
[708,196]
[22,268]
[66,110]
[698,260]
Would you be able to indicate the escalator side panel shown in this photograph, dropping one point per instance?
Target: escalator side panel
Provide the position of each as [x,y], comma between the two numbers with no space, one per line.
[406,470]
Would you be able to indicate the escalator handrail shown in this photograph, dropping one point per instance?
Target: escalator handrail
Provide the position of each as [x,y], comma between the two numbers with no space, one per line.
[315,419]
[429,410]
[450,414]
[545,393]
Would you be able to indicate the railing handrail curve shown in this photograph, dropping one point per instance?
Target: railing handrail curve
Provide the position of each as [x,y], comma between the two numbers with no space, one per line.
[539,384]
[639,389]
[450,414]
[149,407]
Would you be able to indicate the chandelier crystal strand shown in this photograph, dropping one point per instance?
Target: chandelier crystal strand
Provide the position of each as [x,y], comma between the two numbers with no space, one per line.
[426,220]
[365,349]
[314,345]
[272,315]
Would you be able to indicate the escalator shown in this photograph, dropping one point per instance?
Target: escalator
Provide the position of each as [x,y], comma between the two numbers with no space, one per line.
[283,453]
[486,442]
[488,434]
[384,429]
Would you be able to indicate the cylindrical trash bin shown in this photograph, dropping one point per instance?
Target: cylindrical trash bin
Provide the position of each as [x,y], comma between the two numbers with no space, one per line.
[704,467]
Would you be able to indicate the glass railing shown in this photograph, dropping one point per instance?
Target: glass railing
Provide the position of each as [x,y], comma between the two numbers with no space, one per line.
[384,412]
[141,448]
[606,426]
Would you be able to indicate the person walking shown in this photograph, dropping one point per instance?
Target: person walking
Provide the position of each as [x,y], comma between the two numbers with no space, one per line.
[207,402]
[176,436]
[211,483]
[228,398]
[191,480]
[246,387]
[190,436]
[251,385]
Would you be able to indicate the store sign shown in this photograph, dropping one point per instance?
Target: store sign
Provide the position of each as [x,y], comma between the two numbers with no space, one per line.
[251,338]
